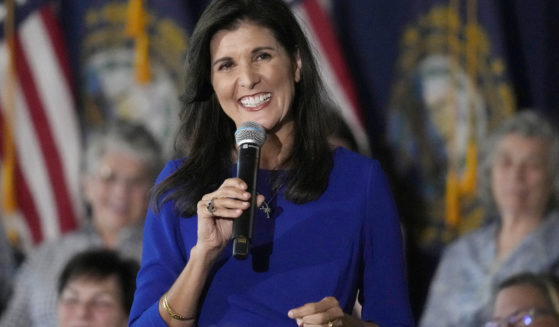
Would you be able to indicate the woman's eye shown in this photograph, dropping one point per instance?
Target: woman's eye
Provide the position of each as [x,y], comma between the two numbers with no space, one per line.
[225,66]
[69,301]
[502,161]
[103,304]
[263,56]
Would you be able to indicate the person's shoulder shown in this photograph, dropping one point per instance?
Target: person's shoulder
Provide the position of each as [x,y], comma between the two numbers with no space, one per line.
[49,252]
[170,167]
[352,169]
[547,233]
[346,158]
[551,222]
[473,239]
[66,241]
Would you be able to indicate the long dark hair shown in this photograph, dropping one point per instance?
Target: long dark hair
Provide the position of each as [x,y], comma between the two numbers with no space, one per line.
[207,132]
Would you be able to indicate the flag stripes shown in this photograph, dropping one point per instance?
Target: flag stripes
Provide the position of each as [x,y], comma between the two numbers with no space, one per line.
[23,194]
[45,129]
[335,72]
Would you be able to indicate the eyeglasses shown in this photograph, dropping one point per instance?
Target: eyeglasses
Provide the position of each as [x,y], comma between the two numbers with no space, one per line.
[102,304]
[108,176]
[523,318]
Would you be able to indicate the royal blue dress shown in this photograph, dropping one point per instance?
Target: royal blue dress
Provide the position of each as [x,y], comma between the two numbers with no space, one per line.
[347,240]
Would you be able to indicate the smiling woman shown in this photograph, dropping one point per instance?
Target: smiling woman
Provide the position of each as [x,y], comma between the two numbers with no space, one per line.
[329,229]
[119,165]
[256,82]
[244,77]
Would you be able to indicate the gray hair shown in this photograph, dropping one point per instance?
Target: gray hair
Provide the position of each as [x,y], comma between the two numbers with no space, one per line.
[526,123]
[126,137]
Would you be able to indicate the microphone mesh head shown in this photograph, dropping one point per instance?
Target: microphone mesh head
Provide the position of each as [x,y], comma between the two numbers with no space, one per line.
[250,132]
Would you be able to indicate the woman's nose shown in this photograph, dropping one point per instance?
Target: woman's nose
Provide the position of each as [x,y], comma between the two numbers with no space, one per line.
[248,76]
[518,172]
[83,309]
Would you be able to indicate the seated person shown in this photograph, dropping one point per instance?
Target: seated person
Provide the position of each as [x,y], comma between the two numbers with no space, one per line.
[120,165]
[526,299]
[519,181]
[7,267]
[96,289]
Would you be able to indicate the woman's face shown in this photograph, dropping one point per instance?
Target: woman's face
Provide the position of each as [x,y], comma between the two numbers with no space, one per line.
[117,191]
[520,178]
[516,301]
[253,76]
[87,302]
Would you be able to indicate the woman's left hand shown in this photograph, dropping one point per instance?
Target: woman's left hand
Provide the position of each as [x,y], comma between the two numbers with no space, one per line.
[326,312]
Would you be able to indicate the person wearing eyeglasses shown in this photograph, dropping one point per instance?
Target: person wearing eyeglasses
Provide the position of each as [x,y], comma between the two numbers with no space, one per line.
[121,161]
[96,289]
[526,299]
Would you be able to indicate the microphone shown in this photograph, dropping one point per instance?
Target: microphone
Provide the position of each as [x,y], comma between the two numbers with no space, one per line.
[249,137]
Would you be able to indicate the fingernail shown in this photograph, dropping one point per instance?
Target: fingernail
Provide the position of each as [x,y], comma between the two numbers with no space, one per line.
[290,314]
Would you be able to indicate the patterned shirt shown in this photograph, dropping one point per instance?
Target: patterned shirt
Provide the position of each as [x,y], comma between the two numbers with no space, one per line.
[461,291]
[34,300]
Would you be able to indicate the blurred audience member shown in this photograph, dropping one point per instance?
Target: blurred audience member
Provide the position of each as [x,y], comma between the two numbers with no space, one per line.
[120,165]
[520,180]
[7,267]
[96,289]
[526,299]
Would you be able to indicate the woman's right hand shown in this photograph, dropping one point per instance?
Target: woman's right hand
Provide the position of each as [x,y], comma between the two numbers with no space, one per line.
[229,201]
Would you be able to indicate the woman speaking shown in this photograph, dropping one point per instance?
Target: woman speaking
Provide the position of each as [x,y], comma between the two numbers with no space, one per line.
[325,230]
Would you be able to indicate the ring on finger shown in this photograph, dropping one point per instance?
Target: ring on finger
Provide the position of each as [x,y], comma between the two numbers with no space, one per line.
[333,323]
[210,206]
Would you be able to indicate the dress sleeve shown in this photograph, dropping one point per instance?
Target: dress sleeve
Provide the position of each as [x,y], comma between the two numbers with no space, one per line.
[384,293]
[163,258]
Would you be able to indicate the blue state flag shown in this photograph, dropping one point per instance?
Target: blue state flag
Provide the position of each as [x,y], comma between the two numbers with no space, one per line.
[450,87]
[533,43]
[105,56]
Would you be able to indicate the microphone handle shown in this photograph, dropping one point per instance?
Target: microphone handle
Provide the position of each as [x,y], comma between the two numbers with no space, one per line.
[247,170]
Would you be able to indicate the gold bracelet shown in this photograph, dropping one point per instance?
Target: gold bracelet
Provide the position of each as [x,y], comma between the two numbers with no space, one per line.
[172,313]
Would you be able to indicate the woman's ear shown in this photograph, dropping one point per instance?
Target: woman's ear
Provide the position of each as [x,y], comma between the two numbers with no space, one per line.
[298,67]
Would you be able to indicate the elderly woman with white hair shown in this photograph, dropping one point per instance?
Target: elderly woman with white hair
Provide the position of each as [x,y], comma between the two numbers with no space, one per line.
[120,165]
[520,185]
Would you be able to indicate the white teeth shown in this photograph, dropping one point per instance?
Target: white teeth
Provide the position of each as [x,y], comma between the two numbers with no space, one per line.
[255,101]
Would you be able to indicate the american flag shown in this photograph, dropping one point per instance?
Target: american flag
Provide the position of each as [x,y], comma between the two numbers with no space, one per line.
[314,17]
[45,123]
[42,116]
